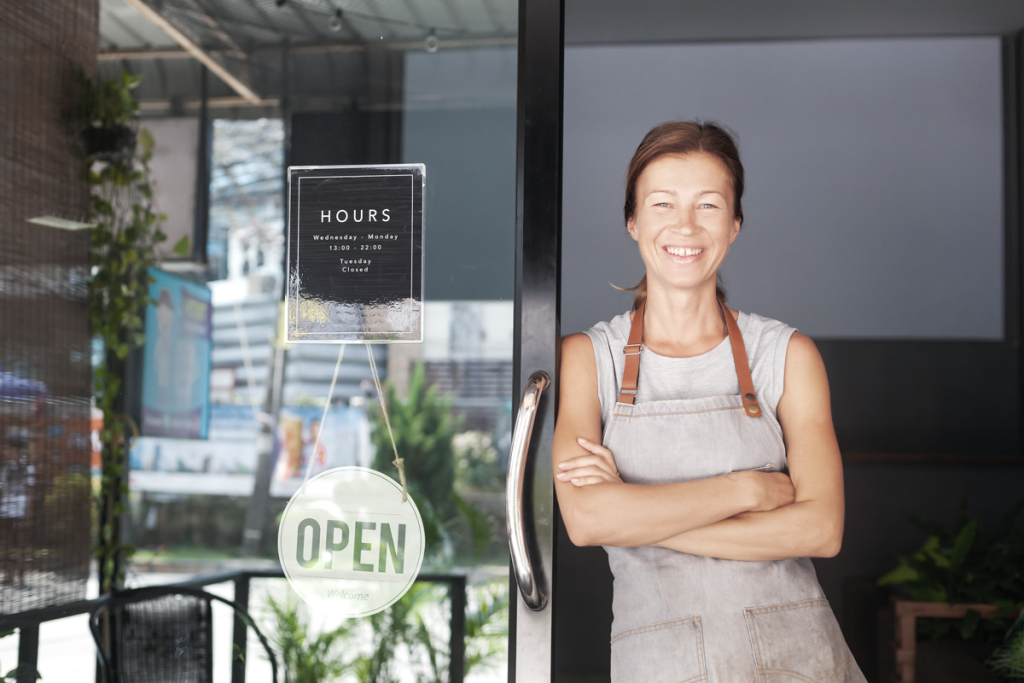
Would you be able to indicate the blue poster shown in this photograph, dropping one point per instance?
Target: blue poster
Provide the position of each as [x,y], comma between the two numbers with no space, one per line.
[176,375]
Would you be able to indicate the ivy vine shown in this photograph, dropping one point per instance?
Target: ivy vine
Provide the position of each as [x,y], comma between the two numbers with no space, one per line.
[126,232]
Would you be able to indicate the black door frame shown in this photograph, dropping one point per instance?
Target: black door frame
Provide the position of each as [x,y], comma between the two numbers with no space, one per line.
[536,332]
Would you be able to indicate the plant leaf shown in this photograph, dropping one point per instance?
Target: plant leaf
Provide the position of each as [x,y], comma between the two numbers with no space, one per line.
[182,246]
[962,544]
[146,141]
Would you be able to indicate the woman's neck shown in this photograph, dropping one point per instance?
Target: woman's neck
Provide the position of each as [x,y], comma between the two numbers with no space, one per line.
[683,323]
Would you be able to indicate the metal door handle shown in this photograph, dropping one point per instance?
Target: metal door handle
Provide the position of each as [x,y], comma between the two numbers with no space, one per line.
[522,564]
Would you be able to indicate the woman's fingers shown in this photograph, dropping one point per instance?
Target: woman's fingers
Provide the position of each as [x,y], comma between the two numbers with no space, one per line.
[580,482]
[590,469]
[586,476]
[599,451]
[595,448]
[587,471]
[588,461]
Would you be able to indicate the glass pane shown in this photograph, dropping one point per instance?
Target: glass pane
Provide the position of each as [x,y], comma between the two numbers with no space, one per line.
[431,83]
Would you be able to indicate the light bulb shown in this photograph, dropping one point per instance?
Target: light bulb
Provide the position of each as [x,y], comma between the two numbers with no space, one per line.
[336,21]
[431,43]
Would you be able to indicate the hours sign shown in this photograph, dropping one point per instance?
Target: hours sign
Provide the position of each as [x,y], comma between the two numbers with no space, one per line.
[355,253]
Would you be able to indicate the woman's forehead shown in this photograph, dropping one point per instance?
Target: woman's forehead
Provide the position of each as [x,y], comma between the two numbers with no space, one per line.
[671,172]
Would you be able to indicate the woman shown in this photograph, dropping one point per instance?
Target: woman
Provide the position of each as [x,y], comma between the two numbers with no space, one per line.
[677,424]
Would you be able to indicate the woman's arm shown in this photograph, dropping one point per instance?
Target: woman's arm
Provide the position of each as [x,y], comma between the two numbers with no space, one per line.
[599,509]
[813,525]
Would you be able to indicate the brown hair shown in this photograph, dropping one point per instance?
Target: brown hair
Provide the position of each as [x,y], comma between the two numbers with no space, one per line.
[683,137]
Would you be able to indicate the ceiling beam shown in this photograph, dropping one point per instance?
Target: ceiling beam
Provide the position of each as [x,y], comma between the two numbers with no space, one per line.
[199,53]
[117,55]
[215,26]
[113,55]
[212,103]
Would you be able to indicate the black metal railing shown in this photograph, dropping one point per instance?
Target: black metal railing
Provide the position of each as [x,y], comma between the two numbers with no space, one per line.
[27,623]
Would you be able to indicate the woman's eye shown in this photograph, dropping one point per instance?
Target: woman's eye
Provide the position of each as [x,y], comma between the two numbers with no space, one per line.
[707,206]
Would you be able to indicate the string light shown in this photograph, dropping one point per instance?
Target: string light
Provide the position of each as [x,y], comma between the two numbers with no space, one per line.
[336,21]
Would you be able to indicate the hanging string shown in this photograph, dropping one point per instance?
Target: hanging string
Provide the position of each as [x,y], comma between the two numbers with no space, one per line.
[399,462]
[323,419]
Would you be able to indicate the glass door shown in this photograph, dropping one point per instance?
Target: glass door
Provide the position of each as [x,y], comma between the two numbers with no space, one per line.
[365,83]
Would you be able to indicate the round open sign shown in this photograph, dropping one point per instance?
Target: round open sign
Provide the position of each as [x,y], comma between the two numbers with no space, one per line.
[348,544]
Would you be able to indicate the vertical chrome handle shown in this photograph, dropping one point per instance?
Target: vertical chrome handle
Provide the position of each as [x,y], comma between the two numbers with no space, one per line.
[522,564]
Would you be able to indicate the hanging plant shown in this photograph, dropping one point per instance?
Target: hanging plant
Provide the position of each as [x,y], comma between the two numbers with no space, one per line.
[102,121]
[123,241]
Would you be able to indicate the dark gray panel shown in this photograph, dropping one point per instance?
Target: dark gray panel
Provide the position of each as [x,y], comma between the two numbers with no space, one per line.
[663,21]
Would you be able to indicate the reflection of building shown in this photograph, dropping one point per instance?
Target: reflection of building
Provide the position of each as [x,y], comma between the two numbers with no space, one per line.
[242,332]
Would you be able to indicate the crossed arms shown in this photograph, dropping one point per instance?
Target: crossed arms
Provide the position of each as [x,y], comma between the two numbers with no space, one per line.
[739,516]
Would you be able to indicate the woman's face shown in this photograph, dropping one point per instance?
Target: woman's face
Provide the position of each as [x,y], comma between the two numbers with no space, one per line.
[684,220]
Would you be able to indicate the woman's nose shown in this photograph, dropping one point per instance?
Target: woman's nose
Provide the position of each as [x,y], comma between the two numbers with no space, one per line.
[686,221]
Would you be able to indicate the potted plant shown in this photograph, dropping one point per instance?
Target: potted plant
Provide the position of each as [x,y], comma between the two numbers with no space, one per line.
[964,585]
[101,121]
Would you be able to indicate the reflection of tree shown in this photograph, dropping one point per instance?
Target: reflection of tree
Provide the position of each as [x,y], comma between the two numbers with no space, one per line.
[246,214]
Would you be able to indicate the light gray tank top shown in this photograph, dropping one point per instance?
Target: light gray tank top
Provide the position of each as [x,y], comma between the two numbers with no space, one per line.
[710,374]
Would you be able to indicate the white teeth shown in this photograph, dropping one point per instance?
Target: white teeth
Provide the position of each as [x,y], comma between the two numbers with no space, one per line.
[681,251]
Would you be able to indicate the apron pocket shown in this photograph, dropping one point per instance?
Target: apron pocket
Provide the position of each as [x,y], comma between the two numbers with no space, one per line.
[800,641]
[669,652]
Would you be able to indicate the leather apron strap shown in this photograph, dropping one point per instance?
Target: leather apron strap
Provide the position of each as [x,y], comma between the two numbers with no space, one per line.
[631,370]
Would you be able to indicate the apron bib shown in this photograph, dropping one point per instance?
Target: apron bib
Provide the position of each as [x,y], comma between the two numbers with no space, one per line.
[678,617]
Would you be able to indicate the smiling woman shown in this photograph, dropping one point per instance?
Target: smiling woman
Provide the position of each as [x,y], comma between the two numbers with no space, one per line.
[695,443]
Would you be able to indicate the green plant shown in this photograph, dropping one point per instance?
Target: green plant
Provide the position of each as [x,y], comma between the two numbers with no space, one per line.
[109,105]
[477,527]
[425,437]
[387,646]
[423,427]
[307,657]
[486,626]
[404,628]
[476,462]
[1008,660]
[392,629]
[126,232]
[967,565]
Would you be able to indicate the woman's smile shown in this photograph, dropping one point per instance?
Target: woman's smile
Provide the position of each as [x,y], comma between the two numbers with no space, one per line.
[684,254]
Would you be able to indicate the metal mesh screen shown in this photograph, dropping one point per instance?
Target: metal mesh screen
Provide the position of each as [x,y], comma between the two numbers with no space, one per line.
[44,329]
[164,639]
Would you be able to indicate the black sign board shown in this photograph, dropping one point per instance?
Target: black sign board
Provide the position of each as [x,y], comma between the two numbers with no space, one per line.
[355,253]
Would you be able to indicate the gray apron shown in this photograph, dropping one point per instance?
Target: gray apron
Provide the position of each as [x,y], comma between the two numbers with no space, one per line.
[680,618]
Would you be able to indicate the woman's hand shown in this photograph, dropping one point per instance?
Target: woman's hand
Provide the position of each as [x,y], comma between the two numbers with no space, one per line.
[775,489]
[597,468]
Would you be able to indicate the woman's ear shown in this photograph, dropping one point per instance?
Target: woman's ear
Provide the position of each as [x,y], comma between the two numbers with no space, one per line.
[737,223]
[631,229]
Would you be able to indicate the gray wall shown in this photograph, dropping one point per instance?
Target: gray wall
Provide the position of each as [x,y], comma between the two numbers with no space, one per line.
[874,176]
